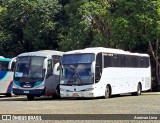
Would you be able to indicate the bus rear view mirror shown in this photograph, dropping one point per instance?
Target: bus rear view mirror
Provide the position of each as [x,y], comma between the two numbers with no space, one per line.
[45,63]
[11,65]
[93,67]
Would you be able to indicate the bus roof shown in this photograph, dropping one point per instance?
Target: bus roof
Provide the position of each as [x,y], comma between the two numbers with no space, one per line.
[96,50]
[42,53]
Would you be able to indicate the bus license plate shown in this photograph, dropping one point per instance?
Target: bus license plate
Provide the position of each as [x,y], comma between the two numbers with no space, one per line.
[26,92]
[75,95]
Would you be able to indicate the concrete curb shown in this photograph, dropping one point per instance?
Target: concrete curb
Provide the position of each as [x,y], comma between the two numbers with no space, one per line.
[150,93]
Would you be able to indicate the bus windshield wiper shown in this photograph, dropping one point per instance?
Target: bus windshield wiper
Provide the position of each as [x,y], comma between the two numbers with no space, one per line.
[71,77]
[79,77]
[74,76]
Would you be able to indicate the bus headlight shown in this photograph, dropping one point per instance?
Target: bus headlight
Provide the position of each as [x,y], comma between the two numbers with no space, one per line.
[88,89]
[40,87]
[14,86]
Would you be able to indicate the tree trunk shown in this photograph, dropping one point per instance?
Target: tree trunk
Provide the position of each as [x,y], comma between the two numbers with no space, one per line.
[155,56]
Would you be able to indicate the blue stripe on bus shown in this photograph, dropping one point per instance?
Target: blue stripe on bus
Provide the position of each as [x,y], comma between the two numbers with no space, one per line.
[5,59]
[17,83]
[3,74]
[36,83]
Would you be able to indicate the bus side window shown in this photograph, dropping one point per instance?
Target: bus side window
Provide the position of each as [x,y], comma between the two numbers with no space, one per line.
[49,70]
[98,70]
[98,74]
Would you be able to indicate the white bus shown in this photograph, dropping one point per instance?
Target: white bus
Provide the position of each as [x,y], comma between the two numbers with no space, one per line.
[6,76]
[103,72]
[37,73]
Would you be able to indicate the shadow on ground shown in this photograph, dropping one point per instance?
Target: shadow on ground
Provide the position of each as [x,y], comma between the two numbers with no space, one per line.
[46,98]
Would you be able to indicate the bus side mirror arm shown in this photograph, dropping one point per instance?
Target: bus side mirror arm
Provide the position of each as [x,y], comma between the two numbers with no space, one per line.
[10,63]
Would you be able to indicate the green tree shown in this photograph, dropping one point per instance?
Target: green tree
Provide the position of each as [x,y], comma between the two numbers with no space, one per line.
[27,25]
[85,24]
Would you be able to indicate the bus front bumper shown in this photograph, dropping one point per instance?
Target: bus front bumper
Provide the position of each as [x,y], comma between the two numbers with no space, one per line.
[28,92]
[86,94]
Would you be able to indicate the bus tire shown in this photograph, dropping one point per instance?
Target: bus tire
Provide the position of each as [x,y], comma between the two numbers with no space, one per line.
[30,97]
[58,92]
[57,95]
[139,90]
[107,92]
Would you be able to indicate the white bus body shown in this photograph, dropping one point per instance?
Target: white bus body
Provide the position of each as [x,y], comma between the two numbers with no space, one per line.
[102,72]
[37,73]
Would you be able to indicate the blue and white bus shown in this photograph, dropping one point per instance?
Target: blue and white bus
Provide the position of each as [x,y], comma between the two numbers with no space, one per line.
[103,72]
[37,73]
[6,76]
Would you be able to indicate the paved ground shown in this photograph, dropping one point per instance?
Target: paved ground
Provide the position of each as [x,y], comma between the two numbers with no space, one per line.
[147,103]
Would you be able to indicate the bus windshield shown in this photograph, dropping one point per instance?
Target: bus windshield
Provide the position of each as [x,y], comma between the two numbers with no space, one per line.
[78,58]
[29,67]
[76,74]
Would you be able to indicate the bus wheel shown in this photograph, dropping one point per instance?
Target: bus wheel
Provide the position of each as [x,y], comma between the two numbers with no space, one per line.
[30,97]
[139,90]
[107,93]
[57,96]
[57,92]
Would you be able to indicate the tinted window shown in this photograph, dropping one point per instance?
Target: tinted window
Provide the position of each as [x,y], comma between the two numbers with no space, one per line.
[99,60]
[50,69]
[120,60]
[112,60]
[98,70]
[144,62]
[77,58]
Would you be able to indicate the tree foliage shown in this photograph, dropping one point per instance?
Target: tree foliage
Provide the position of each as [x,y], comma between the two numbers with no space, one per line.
[86,24]
[28,25]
